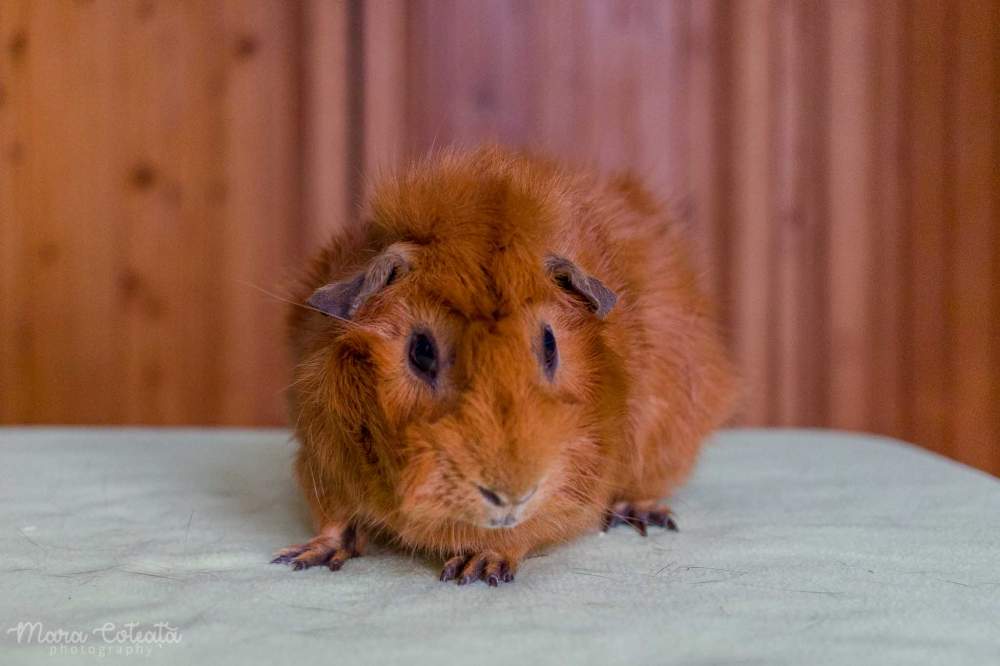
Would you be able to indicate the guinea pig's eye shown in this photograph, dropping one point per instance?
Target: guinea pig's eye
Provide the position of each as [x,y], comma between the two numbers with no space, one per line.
[423,356]
[550,353]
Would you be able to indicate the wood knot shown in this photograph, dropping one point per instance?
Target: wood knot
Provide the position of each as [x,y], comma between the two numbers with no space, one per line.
[18,46]
[142,177]
[129,283]
[145,10]
[15,152]
[246,47]
[48,253]
[135,290]
[484,97]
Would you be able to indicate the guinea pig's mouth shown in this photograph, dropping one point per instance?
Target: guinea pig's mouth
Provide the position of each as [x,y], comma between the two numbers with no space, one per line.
[506,522]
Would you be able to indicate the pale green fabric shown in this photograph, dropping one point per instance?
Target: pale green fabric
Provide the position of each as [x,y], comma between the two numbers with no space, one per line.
[796,547]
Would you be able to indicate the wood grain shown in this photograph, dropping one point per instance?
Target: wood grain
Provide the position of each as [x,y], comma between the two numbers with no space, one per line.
[928,158]
[326,125]
[887,391]
[750,231]
[60,279]
[153,188]
[851,112]
[162,165]
[383,64]
[973,317]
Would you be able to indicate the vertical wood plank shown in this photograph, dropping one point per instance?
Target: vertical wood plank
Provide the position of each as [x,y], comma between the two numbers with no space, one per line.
[972,300]
[852,104]
[927,158]
[511,27]
[14,342]
[60,324]
[385,86]
[659,39]
[751,201]
[454,73]
[995,332]
[706,128]
[797,346]
[427,77]
[262,176]
[796,179]
[814,357]
[560,83]
[169,184]
[887,290]
[325,122]
[615,85]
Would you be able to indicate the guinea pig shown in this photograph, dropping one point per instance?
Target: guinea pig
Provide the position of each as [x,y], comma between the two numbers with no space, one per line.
[500,354]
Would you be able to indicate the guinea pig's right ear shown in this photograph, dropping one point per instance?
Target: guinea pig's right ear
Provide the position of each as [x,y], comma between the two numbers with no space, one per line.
[570,277]
[342,299]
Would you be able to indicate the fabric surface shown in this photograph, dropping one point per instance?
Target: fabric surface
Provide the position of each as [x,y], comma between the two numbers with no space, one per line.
[795,547]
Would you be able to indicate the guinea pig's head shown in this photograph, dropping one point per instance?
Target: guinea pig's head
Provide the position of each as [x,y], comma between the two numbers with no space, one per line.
[463,355]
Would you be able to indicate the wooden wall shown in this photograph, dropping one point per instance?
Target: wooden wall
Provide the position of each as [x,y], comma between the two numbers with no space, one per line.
[150,173]
[836,162]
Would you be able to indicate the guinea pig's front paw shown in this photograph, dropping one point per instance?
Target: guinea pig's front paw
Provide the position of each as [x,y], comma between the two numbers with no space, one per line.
[639,515]
[488,566]
[334,546]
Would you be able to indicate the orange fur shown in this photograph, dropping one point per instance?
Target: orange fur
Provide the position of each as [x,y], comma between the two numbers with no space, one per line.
[623,418]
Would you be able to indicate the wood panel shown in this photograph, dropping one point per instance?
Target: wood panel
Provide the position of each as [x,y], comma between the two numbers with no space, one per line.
[325,120]
[973,307]
[750,225]
[929,173]
[852,221]
[150,187]
[61,309]
[887,392]
[798,208]
[836,162]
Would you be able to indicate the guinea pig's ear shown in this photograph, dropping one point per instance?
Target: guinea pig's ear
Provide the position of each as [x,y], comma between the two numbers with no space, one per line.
[342,299]
[568,275]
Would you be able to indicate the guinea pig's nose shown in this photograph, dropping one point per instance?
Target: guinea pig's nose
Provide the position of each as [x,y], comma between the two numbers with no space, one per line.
[491,496]
[501,499]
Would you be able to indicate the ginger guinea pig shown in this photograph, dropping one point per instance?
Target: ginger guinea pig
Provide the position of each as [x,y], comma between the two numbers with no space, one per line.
[499,355]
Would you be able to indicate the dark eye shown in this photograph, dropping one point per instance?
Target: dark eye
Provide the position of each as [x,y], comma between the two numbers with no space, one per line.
[550,353]
[423,356]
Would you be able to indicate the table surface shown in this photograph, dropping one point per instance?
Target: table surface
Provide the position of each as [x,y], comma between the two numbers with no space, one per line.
[795,547]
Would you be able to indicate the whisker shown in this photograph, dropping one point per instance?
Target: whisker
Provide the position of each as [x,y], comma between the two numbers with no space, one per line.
[304,306]
[277,297]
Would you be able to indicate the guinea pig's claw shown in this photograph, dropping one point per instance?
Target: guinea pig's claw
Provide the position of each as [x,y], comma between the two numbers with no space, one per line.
[663,519]
[639,516]
[451,568]
[329,550]
[489,567]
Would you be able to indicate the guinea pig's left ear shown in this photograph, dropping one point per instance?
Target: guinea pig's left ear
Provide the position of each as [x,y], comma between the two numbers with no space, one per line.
[568,275]
[342,299]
